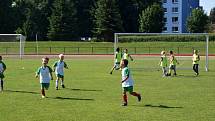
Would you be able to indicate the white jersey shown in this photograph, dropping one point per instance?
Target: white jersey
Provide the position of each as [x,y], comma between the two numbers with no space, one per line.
[126,73]
[44,73]
[59,67]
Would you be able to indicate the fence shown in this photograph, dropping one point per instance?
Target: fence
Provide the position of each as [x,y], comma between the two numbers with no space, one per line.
[97,50]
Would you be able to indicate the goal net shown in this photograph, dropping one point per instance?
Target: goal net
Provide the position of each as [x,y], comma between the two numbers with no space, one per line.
[12,44]
[145,48]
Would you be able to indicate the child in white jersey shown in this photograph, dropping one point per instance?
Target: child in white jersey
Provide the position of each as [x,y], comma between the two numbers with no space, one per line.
[126,55]
[2,69]
[196,59]
[59,70]
[127,82]
[45,74]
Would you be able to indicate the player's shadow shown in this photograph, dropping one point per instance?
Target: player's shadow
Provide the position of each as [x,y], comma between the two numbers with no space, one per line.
[71,98]
[156,106]
[22,91]
[89,90]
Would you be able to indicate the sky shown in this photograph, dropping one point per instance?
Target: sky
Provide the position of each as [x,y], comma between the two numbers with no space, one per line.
[207,5]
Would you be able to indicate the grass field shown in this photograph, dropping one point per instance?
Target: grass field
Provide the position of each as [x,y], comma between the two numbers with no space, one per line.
[92,94]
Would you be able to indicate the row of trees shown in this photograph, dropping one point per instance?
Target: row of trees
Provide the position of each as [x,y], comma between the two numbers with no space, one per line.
[72,19]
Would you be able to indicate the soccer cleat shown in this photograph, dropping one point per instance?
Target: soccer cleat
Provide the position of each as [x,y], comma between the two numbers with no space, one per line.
[56,88]
[43,96]
[139,98]
[111,72]
[63,86]
[124,104]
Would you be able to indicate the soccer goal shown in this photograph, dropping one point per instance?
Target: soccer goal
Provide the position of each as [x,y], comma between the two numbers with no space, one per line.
[12,44]
[147,46]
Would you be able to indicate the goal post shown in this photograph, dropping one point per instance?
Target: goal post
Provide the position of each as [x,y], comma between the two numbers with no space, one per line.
[182,44]
[12,44]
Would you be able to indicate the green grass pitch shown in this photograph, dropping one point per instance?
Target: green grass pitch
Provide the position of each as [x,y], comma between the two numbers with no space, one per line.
[92,94]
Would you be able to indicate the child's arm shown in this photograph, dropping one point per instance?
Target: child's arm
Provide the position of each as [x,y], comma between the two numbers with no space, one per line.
[131,57]
[50,71]
[125,79]
[65,65]
[37,73]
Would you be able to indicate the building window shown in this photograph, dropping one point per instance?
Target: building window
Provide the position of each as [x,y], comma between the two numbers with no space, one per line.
[164,1]
[174,1]
[165,20]
[175,9]
[174,19]
[165,29]
[175,29]
[165,10]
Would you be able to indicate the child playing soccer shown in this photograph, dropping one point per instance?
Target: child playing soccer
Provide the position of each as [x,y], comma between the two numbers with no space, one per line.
[127,82]
[2,69]
[173,61]
[163,63]
[196,59]
[45,73]
[118,57]
[126,55]
[59,70]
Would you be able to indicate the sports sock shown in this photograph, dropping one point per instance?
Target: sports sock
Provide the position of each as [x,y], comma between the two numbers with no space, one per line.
[2,84]
[125,98]
[43,92]
[56,83]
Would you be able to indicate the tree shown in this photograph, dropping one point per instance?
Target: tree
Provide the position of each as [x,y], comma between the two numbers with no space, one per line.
[63,21]
[107,20]
[85,18]
[212,15]
[152,19]
[197,22]
[130,11]
[7,18]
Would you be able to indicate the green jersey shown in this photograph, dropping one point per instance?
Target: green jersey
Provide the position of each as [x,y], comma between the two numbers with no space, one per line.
[118,57]
[163,62]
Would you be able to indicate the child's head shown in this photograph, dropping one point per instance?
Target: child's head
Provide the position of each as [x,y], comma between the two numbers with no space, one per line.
[170,52]
[45,60]
[61,56]
[195,51]
[163,53]
[126,50]
[124,63]
[117,49]
[0,57]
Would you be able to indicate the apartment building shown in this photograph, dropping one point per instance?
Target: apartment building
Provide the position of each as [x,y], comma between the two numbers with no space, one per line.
[176,14]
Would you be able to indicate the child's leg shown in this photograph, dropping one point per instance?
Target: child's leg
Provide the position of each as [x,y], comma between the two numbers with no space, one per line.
[164,71]
[43,92]
[174,69]
[62,82]
[2,84]
[56,83]
[194,68]
[125,98]
[136,95]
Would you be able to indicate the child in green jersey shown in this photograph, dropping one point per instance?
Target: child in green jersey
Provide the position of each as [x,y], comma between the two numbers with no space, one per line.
[126,55]
[2,69]
[127,82]
[163,63]
[45,74]
[196,59]
[117,59]
[172,64]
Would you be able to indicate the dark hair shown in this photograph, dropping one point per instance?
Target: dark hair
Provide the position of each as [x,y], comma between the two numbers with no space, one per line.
[117,49]
[171,52]
[125,62]
[0,57]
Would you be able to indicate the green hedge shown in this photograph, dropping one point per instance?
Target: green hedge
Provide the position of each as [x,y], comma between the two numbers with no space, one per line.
[166,38]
